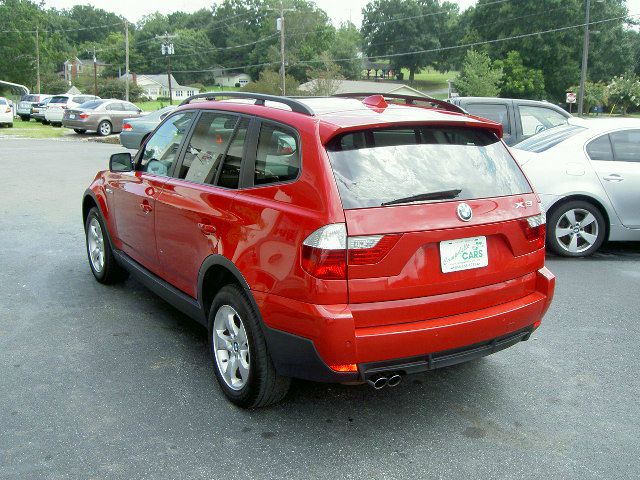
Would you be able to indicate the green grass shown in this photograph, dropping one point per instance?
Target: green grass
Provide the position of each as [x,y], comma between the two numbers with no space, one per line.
[33,129]
[429,79]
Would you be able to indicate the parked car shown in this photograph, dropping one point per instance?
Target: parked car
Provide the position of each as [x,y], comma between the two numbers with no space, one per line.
[26,104]
[520,119]
[6,113]
[37,111]
[59,103]
[332,239]
[103,116]
[587,174]
[134,130]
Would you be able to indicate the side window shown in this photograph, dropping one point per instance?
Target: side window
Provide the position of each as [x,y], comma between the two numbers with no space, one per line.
[626,145]
[494,112]
[600,148]
[161,150]
[537,119]
[130,107]
[209,141]
[229,176]
[114,107]
[278,158]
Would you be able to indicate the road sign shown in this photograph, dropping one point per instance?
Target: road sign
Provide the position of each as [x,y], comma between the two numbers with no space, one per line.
[571,97]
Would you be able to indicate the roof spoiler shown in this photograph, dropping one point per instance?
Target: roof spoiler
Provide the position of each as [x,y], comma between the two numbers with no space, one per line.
[409,100]
[295,105]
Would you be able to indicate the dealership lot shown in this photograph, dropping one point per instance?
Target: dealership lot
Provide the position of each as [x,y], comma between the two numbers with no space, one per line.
[111,382]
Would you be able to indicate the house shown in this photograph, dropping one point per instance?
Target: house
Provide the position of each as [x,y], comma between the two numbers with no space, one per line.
[76,67]
[154,86]
[361,86]
[230,79]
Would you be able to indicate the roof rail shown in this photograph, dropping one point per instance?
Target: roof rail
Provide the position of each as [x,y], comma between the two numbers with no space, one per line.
[295,105]
[409,100]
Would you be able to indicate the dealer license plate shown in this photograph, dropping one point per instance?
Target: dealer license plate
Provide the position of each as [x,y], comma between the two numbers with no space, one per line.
[72,116]
[463,254]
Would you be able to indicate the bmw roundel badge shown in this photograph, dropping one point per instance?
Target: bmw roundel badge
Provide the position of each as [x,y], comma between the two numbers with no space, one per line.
[464,212]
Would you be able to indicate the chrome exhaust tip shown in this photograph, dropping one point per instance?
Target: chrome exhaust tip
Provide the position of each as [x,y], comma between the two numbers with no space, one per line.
[394,380]
[378,381]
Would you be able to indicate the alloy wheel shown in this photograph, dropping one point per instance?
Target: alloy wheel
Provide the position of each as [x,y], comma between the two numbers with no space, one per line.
[231,347]
[95,245]
[576,230]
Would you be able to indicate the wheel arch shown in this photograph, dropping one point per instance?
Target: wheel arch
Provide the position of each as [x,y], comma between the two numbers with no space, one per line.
[585,198]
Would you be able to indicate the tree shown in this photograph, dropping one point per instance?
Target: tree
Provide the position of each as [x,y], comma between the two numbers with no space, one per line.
[595,94]
[625,91]
[348,44]
[519,81]
[394,27]
[478,77]
[326,78]
[270,83]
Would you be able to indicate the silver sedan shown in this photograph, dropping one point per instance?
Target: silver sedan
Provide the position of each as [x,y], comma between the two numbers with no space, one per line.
[587,174]
[135,130]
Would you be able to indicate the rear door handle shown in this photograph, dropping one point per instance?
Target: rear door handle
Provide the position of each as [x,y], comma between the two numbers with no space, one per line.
[146,208]
[614,177]
[207,229]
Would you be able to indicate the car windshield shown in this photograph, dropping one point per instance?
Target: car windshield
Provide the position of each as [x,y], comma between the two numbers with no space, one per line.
[59,100]
[549,138]
[404,165]
[92,105]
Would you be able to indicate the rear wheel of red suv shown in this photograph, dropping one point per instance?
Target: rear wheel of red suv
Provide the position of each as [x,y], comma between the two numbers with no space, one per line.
[241,361]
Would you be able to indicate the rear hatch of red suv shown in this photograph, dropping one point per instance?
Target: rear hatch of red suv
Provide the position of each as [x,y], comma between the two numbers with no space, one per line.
[439,214]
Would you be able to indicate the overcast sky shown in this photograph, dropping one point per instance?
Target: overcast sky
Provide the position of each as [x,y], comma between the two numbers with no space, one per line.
[134,10]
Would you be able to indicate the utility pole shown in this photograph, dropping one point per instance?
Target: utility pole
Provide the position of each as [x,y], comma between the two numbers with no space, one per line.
[126,60]
[167,49]
[37,61]
[95,72]
[585,58]
[280,28]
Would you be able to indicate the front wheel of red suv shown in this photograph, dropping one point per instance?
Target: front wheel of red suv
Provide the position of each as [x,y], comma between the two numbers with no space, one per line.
[241,361]
[101,259]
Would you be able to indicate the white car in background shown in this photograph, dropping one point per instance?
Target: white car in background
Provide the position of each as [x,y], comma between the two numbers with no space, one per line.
[6,113]
[59,103]
[587,174]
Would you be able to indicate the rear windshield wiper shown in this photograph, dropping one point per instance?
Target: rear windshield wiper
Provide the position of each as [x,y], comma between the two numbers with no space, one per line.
[442,195]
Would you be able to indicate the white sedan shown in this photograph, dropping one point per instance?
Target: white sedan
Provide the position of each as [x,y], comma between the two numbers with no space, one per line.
[587,174]
[6,113]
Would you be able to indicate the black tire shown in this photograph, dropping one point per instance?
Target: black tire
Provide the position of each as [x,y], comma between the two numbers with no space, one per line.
[263,385]
[25,118]
[105,128]
[111,272]
[46,122]
[9,125]
[80,131]
[589,237]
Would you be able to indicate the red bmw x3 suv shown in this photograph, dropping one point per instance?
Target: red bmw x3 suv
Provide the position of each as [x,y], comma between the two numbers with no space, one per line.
[330,239]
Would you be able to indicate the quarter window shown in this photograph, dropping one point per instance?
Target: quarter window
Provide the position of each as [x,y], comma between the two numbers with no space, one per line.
[278,158]
[210,139]
[600,149]
[161,150]
[537,119]
[626,145]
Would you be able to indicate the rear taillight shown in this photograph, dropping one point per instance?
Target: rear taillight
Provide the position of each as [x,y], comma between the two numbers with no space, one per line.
[328,250]
[535,228]
[8,110]
[83,116]
[127,127]
[324,252]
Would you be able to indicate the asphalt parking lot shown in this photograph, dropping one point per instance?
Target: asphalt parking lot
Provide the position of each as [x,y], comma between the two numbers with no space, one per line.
[111,382]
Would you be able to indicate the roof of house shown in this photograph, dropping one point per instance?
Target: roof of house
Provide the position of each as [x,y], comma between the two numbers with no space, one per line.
[359,86]
[85,60]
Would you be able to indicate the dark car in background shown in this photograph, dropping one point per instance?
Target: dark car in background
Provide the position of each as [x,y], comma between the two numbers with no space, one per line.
[520,118]
[37,111]
[134,130]
[102,116]
[26,104]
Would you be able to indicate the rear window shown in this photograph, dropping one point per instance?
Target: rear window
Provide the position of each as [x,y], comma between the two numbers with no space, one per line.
[30,98]
[549,138]
[376,167]
[3,101]
[92,105]
[58,100]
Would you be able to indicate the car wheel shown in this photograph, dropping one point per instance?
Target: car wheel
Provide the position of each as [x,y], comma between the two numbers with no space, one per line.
[104,128]
[241,361]
[9,125]
[80,131]
[101,259]
[46,122]
[575,229]
[24,118]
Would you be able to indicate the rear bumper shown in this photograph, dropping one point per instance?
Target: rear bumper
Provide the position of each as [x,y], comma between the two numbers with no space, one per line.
[79,124]
[310,338]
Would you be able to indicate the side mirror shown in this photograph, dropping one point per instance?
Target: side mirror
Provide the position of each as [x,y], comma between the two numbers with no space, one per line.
[121,162]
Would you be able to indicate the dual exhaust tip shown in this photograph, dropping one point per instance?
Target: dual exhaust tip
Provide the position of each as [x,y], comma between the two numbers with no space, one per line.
[381,380]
